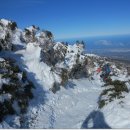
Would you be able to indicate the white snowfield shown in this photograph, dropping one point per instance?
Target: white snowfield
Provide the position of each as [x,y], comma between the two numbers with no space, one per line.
[68,108]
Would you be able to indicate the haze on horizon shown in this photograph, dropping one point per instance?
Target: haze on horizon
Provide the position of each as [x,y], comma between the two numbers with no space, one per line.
[70,18]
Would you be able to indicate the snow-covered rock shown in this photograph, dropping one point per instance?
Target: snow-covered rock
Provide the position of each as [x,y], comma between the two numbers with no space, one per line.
[14,87]
[9,34]
[28,35]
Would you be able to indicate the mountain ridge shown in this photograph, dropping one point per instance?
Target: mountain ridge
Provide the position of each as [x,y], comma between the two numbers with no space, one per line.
[60,83]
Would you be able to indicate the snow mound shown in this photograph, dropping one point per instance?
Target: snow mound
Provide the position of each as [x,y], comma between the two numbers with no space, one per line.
[43,71]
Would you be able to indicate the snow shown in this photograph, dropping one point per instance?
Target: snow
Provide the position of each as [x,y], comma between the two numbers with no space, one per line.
[16,37]
[4,22]
[68,107]
[5,81]
[92,55]
[118,117]
[58,110]
[6,96]
[3,28]
[5,125]
[32,29]
[77,49]
[2,33]
[42,71]
[71,56]
[76,105]
[73,107]
[58,45]
[1,59]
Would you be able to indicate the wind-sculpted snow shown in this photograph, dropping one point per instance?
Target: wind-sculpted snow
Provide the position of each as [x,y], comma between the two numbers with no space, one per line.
[69,89]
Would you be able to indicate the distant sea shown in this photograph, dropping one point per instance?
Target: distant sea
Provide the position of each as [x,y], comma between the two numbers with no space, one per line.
[115,46]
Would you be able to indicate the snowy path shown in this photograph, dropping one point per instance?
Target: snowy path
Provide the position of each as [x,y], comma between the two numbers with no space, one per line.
[68,108]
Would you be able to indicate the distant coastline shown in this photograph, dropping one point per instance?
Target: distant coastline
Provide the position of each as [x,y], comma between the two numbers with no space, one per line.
[115,46]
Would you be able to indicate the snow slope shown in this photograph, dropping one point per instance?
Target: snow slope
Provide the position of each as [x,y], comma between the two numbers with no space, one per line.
[69,108]
[76,104]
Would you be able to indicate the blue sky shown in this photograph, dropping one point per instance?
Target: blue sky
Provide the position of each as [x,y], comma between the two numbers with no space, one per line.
[70,18]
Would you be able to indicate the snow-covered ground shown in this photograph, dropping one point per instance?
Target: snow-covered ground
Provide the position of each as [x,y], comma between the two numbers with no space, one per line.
[73,107]
[69,107]
[76,104]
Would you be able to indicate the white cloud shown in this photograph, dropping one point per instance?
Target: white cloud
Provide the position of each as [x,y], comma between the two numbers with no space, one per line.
[121,44]
[120,50]
[103,42]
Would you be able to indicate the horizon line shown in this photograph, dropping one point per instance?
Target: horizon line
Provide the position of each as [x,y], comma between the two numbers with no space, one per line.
[89,36]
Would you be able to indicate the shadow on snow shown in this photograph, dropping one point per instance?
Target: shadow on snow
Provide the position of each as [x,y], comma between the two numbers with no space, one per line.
[95,120]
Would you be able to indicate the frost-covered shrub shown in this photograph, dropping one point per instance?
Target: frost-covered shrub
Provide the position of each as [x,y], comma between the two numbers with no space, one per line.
[48,34]
[119,86]
[52,54]
[55,87]
[6,32]
[29,34]
[24,76]
[12,25]
[28,90]
[68,61]
[17,88]
[101,103]
[128,70]
[59,52]
[6,109]
[22,99]
[79,69]
[48,57]
[9,88]
[5,43]
[64,77]
[113,90]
